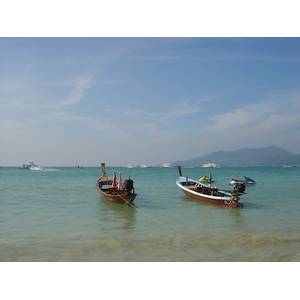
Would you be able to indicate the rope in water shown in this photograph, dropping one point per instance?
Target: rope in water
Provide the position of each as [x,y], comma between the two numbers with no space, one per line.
[146,214]
[205,244]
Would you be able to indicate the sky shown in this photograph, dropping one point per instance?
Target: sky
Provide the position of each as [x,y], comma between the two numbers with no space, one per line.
[143,100]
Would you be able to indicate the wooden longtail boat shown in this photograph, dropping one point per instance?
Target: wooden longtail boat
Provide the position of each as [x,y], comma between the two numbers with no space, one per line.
[115,191]
[206,193]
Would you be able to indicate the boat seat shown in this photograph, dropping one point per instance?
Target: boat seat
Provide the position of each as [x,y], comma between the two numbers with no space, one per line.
[105,187]
[114,191]
[120,192]
[206,190]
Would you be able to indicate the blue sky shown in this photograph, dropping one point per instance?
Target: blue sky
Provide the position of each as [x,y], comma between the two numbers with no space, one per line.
[83,101]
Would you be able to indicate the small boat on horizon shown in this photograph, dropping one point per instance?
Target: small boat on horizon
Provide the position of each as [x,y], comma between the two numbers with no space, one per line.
[130,166]
[210,165]
[115,190]
[144,166]
[78,167]
[167,165]
[206,193]
[37,168]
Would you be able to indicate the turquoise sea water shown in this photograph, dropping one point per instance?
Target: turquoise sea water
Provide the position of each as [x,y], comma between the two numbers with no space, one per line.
[58,215]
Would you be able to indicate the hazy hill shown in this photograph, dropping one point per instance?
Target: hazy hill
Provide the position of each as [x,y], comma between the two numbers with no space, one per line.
[266,156]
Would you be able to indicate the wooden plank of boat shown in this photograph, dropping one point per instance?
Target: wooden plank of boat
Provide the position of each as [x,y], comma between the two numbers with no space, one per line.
[105,186]
[206,193]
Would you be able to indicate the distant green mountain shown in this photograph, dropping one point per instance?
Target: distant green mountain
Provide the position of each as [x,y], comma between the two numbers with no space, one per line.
[266,156]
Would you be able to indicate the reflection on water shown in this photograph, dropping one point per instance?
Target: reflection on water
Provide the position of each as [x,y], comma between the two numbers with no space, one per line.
[221,221]
[116,216]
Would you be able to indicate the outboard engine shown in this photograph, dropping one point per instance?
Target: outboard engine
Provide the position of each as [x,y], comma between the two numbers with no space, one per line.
[128,184]
[239,188]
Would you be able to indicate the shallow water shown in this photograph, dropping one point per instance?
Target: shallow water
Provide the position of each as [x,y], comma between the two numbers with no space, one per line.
[58,215]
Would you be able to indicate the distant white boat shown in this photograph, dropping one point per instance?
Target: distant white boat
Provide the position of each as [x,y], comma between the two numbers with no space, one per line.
[36,168]
[130,166]
[167,165]
[27,164]
[210,165]
[144,166]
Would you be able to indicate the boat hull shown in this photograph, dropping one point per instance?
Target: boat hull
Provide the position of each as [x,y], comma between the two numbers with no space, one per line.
[223,202]
[123,197]
[190,187]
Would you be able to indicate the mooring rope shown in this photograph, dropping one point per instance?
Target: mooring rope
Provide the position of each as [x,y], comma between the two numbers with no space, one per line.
[146,214]
[205,244]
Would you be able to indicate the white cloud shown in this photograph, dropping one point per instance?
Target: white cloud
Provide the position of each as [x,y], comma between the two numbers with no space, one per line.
[9,125]
[249,116]
[67,117]
[183,108]
[80,86]
[278,124]
[231,120]
[271,122]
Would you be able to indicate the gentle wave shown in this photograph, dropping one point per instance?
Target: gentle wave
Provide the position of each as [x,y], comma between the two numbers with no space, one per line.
[172,248]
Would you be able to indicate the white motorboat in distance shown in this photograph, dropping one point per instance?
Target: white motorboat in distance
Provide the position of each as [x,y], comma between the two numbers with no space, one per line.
[130,166]
[167,165]
[27,164]
[37,168]
[210,165]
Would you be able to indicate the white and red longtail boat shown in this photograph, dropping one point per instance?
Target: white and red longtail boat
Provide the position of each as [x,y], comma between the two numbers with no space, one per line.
[113,190]
[206,193]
